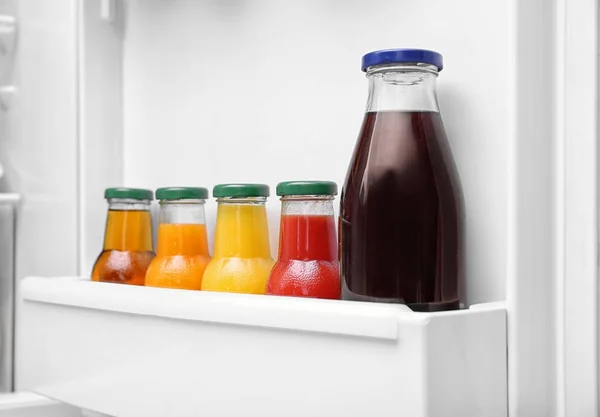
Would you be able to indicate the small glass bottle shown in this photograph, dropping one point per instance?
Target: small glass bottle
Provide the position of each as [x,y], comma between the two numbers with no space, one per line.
[307,265]
[128,238]
[242,259]
[401,215]
[182,248]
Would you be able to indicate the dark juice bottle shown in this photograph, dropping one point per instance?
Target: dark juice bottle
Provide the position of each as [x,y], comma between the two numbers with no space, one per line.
[401,219]
[307,265]
[127,250]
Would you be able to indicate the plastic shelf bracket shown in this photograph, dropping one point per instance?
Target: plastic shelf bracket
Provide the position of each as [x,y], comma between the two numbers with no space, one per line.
[8,29]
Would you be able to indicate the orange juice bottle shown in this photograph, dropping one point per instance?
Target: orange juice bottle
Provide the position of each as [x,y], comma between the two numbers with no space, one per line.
[182,249]
[128,238]
[242,260]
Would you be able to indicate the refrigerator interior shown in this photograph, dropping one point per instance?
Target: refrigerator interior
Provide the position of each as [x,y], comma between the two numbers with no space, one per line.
[210,92]
[178,92]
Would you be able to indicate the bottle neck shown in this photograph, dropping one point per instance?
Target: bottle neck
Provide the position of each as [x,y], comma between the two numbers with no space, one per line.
[128,226]
[242,230]
[307,229]
[182,212]
[182,228]
[409,88]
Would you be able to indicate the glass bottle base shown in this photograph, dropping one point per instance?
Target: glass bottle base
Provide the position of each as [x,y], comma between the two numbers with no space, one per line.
[418,307]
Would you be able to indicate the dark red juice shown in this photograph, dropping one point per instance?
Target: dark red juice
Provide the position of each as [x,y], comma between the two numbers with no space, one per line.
[401,219]
[307,265]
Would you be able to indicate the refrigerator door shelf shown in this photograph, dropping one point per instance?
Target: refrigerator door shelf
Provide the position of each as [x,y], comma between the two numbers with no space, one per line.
[7,94]
[9,199]
[8,29]
[26,404]
[151,352]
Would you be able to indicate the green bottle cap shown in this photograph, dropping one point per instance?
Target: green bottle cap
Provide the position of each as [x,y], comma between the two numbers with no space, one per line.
[241,190]
[306,188]
[182,193]
[131,193]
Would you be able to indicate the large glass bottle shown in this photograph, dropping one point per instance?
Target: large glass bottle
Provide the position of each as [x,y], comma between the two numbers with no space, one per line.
[242,259]
[401,220]
[127,248]
[182,247]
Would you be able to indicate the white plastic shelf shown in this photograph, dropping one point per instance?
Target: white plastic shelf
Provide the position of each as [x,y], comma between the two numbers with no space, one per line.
[139,351]
[25,404]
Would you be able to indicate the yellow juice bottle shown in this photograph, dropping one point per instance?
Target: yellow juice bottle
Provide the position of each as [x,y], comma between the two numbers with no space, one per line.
[242,260]
[182,250]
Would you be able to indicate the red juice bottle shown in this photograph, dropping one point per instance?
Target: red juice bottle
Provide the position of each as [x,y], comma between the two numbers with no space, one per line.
[401,216]
[307,265]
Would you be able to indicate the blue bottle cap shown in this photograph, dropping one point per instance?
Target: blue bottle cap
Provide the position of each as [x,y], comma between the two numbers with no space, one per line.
[395,56]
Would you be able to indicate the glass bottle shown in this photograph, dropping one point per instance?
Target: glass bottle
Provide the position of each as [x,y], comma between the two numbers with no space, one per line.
[242,259]
[401,220]
[182,248]
[127,248]
[307,265]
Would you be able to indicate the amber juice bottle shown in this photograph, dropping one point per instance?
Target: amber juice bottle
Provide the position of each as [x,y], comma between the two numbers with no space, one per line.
[127,250]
